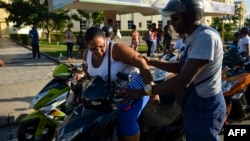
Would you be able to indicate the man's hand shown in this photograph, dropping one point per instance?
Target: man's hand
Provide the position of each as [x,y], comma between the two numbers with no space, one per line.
[129,94]
[145,58]
[155,99]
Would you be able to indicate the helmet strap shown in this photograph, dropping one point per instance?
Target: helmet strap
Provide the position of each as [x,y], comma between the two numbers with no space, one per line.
[190,22]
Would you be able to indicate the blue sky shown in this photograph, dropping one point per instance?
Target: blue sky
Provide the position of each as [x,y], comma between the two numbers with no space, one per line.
[247,3]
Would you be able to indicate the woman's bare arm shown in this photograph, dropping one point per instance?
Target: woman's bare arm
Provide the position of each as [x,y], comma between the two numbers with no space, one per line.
[84,54]
[122,52]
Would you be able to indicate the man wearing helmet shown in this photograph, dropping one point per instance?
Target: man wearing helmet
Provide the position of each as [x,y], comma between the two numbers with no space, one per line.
[244,42]
[108,32]
[203,105]
[236,40]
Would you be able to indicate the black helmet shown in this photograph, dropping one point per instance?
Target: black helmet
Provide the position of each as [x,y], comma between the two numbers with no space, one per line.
[191,7]
[244,30]
[236,34]
[107,30]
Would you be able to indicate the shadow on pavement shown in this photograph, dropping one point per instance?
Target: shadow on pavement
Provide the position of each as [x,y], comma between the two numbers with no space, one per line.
[9,120]
[24,99]
[6,120]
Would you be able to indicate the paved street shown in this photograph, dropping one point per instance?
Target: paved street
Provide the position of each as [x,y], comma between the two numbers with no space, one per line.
[21,79]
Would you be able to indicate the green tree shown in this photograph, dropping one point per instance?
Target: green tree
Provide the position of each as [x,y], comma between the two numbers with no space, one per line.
[35,12]
[94,18]
[26,13]
[247,22]
[233,21]
[236,18]
[98,17]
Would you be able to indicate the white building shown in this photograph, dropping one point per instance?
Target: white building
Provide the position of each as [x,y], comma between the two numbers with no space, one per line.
[125,21]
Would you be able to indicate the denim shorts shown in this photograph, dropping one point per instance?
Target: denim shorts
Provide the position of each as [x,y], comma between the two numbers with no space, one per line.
[127,119]
[203,117]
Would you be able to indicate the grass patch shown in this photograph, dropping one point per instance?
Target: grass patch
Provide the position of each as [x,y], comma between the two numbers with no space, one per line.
[54,49]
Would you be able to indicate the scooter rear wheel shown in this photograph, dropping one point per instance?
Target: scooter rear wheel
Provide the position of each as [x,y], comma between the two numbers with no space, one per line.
[27,129]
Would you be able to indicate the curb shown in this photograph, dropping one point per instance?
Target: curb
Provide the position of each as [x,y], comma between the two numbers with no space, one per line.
[44,54]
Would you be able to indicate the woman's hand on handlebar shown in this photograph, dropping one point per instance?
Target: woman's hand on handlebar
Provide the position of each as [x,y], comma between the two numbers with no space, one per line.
[129,94]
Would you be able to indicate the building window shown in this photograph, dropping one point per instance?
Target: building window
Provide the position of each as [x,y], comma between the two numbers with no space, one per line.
[118,24]
[83,25]
[130,23]
[98,25]
[159,24]
[140,25]
[149,23]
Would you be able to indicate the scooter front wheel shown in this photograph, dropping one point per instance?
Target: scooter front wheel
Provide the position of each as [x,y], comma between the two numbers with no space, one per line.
[27,129]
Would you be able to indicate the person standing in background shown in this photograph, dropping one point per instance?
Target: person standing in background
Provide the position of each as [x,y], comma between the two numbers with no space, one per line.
[135,38]
[111,23]
[69,41]
[159,39]
[154,39]
[148,39]
[80,43]
[167,36]
[33,34]
[108,32]
[179,45]
[236,40]
[244,42]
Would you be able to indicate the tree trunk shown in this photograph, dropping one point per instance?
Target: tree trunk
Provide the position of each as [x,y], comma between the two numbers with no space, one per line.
[48,35]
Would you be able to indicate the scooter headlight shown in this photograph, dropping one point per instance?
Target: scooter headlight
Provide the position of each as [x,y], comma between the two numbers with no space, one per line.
[37,98]
[227,86]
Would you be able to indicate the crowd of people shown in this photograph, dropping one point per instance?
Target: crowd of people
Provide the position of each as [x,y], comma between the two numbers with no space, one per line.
[158,40]
[198,88]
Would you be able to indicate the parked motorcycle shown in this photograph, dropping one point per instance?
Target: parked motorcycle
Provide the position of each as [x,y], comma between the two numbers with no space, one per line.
[95,118]
[161,75]
[49,107]
[236,90]
[237,62]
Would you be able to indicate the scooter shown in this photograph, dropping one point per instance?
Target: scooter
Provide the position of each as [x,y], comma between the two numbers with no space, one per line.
[95,118]
[237,62]
[49,107]
[236,90]
[161,75]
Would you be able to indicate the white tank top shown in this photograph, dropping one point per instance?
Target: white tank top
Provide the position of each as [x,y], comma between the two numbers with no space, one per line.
[116,66]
